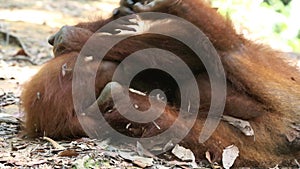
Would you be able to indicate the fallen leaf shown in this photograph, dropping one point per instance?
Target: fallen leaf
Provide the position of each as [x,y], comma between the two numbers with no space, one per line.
[183,153]
[242,125]
[68,153]
[140,161]
[229,155]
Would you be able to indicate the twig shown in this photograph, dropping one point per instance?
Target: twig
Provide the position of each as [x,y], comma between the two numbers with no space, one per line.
[54,143]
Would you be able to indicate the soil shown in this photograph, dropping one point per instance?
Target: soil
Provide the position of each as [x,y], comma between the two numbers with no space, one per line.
[24,29]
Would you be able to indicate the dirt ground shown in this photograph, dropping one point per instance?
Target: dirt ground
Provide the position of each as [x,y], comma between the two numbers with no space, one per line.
[24,29]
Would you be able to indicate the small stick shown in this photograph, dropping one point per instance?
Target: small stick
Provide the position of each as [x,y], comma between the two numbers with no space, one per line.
[54,143]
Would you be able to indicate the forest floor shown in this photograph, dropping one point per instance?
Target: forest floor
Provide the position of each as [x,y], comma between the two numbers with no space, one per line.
[24,29]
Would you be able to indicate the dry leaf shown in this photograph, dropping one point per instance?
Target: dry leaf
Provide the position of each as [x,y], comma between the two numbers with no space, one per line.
[242,125]
[229,155]
[183,153]
[140,161]
[68,153]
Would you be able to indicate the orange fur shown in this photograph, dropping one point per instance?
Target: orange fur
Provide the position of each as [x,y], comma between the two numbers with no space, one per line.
[262,89]
[47,98]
